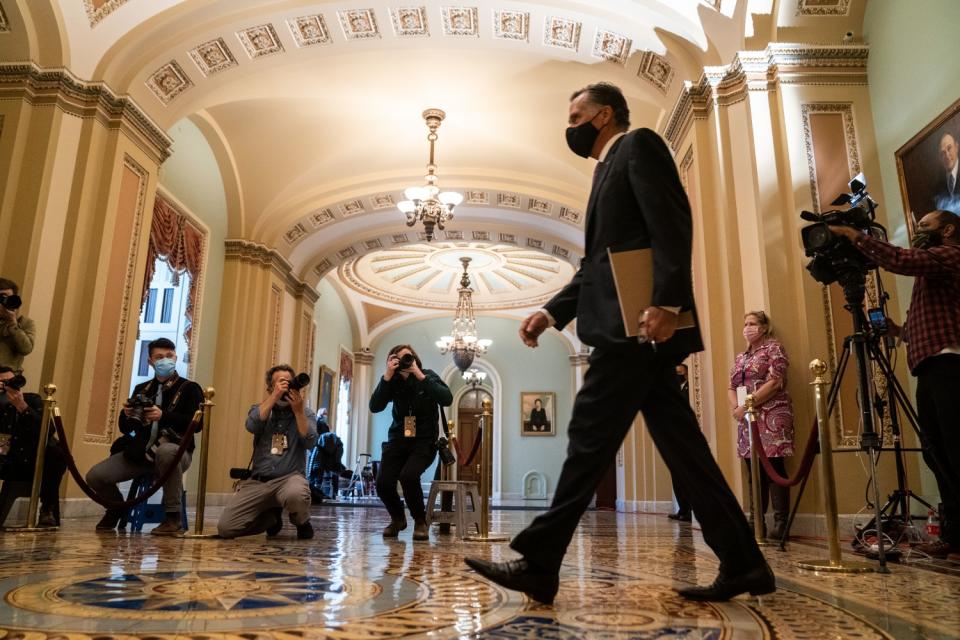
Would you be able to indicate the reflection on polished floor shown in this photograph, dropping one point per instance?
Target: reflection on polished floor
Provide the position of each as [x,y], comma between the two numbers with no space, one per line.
[349,583]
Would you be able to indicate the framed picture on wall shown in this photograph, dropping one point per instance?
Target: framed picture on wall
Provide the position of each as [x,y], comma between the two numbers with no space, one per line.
[326,394]
[537,413]
[927,166]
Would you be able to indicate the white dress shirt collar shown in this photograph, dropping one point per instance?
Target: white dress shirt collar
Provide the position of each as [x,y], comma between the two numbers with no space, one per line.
[606,147]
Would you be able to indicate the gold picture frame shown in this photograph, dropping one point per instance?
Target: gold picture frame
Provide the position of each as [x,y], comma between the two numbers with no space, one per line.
[538,420]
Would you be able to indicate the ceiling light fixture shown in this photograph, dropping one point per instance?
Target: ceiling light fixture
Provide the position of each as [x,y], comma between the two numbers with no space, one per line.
[464,343]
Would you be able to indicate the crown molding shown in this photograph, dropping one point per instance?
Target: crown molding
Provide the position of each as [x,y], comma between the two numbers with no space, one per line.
[85,99]
[261,255]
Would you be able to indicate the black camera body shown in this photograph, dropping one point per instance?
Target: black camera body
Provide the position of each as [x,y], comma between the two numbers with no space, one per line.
[299,381]
[406,361]
[834,257]
[16,382]
[11,301]
[240,473]
[164,436]
[443,449]
[138,404]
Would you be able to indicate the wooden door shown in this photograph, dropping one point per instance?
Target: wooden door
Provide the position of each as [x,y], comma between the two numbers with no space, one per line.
[468,421]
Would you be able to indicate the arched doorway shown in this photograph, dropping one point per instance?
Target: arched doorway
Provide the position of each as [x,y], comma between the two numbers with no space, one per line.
[469,409]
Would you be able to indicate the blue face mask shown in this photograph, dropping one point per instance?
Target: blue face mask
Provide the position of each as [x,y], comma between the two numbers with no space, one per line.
[165,367]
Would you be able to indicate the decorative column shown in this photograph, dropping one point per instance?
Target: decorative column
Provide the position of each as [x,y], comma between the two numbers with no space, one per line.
[363,381]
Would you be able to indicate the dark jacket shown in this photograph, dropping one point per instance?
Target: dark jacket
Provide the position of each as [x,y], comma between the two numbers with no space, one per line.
[636,202]
[181,399]
[24,428]
[413,397]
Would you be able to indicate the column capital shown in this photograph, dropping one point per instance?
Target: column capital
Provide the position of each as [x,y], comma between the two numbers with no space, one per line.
[363,357]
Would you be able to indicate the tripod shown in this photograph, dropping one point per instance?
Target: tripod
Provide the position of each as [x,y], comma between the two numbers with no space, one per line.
[356,488]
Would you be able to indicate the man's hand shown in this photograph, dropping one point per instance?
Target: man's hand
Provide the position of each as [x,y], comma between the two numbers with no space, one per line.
[127,409]
[153,414]
[739,412]
[296,400]
[279,389]
[16,399]
[8,316]
[659,324]
[849,233]
[531,328]
[393,363]
[415,370]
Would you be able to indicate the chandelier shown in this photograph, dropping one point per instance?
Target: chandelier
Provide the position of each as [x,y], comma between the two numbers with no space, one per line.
[427,203]
[464,343]
[474,377]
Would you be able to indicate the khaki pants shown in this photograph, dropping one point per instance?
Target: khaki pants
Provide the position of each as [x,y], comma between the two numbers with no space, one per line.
[248,510]
[104,476]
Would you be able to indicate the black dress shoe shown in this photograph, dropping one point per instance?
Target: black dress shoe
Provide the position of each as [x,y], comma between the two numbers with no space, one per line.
[305,530]
[757,582]
[519,575]
[277,525]
[680,516]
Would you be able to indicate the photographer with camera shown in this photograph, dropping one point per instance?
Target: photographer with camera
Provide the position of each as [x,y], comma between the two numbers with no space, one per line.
[932,334]
[16,331]
[284,430]
[20,417]
[153,420]
[411,444]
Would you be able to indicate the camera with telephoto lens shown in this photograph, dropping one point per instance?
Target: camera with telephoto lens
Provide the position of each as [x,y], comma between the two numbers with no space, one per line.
[406,361]
[139,403]
[164,436]
[16,382]
[11,301]
[834,257]
[443,449]
[299,382]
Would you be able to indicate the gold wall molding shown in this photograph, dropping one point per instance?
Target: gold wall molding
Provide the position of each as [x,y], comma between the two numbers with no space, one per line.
[778,64]
[97,11]
[84,99]
[255,253]
[120,362]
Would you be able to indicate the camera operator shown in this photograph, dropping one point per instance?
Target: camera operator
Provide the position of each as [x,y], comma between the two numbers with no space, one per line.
[16,331]
[932,334]
[284,430]
[153,421]
[20,417]
[412,439]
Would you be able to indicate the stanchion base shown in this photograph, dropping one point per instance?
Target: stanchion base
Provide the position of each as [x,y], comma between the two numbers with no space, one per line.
[844,566]
[767,543]
[193,535]
[490,537]
[30,529]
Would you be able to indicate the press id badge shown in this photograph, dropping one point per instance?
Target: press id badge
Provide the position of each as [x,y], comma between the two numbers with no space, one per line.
[741,396]
[278,443]
[410,426]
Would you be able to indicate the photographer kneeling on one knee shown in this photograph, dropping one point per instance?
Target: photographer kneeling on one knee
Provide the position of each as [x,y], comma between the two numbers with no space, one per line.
[284,430]
[153,421]
[412,439]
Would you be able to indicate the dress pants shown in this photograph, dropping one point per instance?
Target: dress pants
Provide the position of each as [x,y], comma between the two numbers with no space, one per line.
[683,505]
[104,476]
[620,382]
[938,379]
[404,459]
[54,466]
[249,511]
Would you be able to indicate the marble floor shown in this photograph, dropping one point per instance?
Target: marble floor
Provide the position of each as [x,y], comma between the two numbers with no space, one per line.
[349,583]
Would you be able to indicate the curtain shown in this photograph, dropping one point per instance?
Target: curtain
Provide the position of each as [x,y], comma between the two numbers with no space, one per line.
[179,243]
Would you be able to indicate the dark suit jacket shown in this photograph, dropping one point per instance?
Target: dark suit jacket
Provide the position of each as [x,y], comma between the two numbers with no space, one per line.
[636,202]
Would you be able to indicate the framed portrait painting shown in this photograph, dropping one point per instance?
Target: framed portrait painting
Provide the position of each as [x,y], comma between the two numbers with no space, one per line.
[326,394]
[927,166]
[537,416]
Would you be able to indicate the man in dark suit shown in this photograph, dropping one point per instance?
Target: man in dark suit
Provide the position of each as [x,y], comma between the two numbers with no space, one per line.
[636,202]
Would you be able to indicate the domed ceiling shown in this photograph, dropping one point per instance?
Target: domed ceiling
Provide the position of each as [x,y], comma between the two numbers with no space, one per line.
[428,275]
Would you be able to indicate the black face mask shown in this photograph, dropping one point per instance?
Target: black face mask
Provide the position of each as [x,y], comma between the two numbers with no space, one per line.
[926,239]
[581,138]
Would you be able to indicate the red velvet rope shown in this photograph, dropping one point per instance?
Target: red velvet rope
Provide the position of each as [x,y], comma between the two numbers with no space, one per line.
[157,484]
[473,451]
[813,447]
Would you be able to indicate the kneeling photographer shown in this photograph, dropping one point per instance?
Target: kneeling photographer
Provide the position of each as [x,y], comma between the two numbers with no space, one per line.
[412,439]
[20,418]
[932,334]
[284,430]
[153,421]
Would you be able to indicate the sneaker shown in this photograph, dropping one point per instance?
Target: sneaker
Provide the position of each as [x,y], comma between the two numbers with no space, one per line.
[277,525]
[393,529]
[169,527]
[937,548]
[305,530]
[420,530]
[109,521]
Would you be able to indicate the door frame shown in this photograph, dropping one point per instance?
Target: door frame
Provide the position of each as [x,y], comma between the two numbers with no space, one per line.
[496,390]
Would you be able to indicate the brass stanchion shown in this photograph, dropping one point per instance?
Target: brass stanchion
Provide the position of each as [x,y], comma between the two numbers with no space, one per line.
[446,474]
[834,563]
[208,405]
[756,506]
[486,478]
[49,405]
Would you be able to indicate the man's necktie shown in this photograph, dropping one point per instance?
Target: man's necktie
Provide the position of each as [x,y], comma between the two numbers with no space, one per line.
[950,183]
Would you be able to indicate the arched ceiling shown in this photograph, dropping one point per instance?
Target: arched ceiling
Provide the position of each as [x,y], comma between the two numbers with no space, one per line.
[312,107]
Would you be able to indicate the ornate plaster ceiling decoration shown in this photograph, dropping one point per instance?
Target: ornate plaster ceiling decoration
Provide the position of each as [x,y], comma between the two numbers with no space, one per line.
[461,21]
[212,57]
[823,7]
[427,275]
[359,24]
[410,21]
[608,45]
[321,217]
[562,32]
[309,30]
[97,10]
[656,69]
[168,82]
[511,25]
[260,41]
[382,201]
[351,208]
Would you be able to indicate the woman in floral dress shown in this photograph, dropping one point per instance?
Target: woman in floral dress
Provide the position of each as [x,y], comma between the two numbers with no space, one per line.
[762,371]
